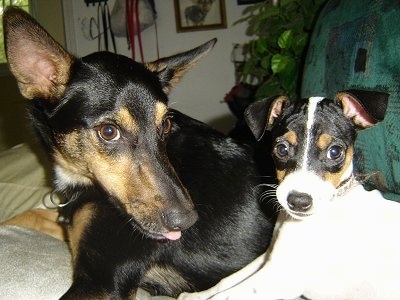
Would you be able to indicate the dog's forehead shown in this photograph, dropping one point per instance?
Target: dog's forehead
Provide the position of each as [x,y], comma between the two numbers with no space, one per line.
[110,71]
[108,86]
[318,114]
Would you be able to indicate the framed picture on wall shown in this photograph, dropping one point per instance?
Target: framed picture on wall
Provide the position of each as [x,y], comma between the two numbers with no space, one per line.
[195,15]
[244,2]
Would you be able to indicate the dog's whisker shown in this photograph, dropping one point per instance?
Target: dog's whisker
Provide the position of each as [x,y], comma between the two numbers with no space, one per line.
[268,194]
[266,176]
[272,185]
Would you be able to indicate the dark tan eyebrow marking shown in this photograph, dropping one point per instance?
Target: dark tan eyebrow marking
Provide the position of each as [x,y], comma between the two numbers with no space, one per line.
[324,141]
[125,119]
[291,137]
[160,112]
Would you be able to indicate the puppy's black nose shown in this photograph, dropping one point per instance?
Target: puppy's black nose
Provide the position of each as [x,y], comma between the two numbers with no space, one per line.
[178,220]
[299,201]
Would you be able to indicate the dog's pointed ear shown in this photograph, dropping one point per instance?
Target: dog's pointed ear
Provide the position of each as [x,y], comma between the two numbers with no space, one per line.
[262,115]
[364,108]
[171,69]
[40,65]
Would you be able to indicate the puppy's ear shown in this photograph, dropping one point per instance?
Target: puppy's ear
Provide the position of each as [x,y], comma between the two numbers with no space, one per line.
[262,115]
[364,108]
[40,65]
[171,69]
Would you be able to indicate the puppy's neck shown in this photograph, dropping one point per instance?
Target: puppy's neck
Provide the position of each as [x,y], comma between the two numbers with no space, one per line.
[346,186]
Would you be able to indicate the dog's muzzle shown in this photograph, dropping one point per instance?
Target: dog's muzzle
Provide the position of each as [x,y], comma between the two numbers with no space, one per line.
[178,220]
[299,202]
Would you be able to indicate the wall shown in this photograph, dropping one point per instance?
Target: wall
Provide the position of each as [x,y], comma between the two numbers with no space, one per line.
[200,93]
[50,16]
[14,125]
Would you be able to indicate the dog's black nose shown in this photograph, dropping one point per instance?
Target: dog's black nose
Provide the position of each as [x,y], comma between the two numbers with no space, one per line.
[299,201]
[178,220]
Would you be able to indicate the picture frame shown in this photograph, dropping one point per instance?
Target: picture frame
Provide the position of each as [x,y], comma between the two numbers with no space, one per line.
[197,15]
[246,2]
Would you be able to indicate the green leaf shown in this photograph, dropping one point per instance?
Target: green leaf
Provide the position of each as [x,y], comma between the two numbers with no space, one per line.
[269,12]
[269,88]
[266,62]
[301,43]
[285,40]
[289,78]
[261,45]
[247,68]
[280,62]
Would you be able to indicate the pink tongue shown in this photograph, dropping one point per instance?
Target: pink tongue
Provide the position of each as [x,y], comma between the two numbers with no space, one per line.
[173,235]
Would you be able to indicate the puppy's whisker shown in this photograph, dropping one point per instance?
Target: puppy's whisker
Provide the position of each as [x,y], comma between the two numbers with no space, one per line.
[266,176]
[272,185]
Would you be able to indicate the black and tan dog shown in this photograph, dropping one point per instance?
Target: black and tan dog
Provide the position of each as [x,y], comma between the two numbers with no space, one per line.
[154,198]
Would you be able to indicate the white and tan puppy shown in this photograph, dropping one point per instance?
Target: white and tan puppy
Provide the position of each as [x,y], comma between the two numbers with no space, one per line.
[333,239]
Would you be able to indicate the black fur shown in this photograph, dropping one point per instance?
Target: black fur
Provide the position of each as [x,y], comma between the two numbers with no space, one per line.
[195,171]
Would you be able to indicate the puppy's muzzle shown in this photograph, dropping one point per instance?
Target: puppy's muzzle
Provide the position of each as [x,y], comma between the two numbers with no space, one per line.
[300,202]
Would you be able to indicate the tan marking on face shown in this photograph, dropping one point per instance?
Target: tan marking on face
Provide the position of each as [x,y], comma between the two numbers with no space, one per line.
[160,112]
[125,120]
[130,177]
[335,178]
[76,231]
[291,137]
[68,158]
[280,175]
[324,141]
[132,182]
[121,175]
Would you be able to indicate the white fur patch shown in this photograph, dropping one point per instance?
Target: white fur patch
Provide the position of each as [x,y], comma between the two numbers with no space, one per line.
[305,182]
[312,106]
[65,178]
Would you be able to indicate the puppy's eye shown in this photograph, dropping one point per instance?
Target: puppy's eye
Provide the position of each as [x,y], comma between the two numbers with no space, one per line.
[109,132]
[335,152]
[282,150]
[166,125]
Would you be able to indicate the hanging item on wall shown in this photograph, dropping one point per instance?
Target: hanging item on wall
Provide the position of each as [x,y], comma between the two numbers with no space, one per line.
[102,24]
[130,17]
[146,13]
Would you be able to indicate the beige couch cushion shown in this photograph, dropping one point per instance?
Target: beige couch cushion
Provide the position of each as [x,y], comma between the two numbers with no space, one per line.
[24,180]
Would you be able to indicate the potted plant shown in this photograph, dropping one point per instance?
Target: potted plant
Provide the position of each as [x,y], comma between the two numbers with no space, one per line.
[274,57]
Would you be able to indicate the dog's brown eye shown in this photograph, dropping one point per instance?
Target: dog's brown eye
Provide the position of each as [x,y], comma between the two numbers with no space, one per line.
[335,152]
[281,150]
[109,132]
[166,125]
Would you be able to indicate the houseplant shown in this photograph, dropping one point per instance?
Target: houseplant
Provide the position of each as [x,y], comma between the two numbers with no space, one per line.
[274,57]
